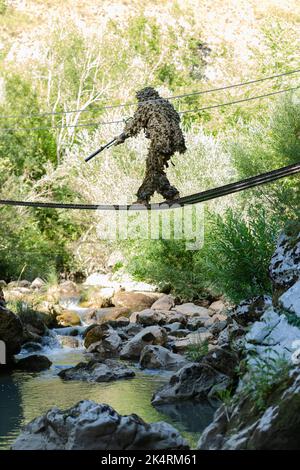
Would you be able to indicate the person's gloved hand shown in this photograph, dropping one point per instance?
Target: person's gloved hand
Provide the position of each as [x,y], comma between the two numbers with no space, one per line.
[120,139]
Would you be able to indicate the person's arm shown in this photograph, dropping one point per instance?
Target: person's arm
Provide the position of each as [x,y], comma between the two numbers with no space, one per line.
[133,126]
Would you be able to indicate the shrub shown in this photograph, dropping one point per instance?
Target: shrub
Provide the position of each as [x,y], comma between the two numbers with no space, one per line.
[196,350]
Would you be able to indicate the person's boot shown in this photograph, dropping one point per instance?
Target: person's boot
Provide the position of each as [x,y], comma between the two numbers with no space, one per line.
[173,196]
[141,202]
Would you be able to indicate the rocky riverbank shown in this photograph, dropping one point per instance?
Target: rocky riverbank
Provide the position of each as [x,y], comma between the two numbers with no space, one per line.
[245,356]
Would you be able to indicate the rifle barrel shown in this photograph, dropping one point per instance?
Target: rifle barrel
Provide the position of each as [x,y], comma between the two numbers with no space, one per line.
[99,150]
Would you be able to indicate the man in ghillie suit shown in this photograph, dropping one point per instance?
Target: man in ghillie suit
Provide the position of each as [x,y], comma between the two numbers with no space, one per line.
[161,124]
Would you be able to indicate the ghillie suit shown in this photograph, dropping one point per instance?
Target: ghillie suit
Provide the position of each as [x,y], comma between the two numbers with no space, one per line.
[161,124]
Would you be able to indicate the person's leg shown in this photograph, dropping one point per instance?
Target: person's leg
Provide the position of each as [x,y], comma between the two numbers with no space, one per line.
[148,186]
[163,185]
[156,179]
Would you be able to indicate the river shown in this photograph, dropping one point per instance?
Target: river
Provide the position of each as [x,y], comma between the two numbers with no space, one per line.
[24,396]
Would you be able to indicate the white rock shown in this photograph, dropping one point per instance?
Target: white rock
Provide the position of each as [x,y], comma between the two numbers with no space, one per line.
[273,336]
[290,300]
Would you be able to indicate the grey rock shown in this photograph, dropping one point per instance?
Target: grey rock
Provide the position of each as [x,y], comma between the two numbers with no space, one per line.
[92,426]
[166,302]
[203,380]
[150,335]
[242,426]
[96,371]
[158,357]
[33,363]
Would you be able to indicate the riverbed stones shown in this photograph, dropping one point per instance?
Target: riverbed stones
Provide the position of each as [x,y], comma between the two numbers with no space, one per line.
[97,371]
[135,301]
[33,363]
[150,335]
[92,426]
[158,357]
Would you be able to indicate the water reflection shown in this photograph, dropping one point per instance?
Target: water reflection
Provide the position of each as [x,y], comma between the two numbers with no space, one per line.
[11,414]
[194,417]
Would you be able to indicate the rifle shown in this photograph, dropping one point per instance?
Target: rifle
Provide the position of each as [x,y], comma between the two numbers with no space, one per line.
[106,146]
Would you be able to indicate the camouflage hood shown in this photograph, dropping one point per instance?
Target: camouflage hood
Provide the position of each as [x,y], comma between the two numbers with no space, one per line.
[147,93]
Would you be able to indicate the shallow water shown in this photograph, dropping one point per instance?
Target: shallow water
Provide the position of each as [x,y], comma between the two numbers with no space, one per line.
[24,396]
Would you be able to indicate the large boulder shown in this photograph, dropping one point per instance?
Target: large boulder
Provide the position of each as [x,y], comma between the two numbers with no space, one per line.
[33,363]
[11,331]
[150,335]
[200,381]
[96,371]
[243,426]
[158,357]
[92,426]
[135,301]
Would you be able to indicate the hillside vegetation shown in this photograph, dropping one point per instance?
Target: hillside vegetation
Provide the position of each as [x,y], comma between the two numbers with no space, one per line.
[83,55]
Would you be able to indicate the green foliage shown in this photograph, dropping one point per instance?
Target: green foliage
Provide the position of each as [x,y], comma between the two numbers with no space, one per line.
[28,151]
[168,264]
[25,312]
[263,376]
[237,251]
[196,350]
[3,7]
